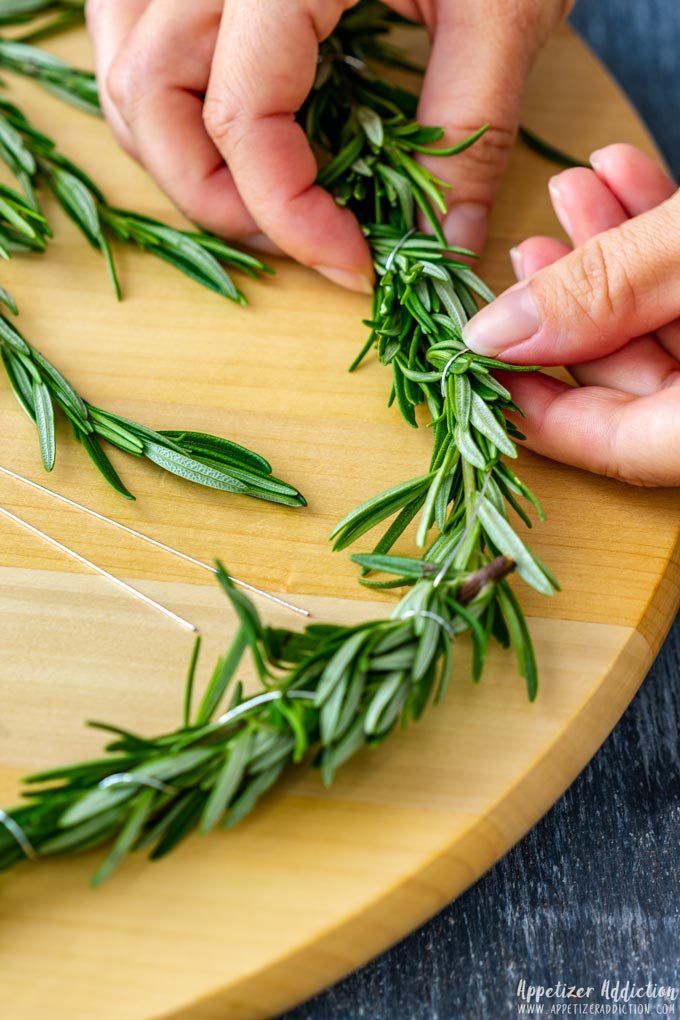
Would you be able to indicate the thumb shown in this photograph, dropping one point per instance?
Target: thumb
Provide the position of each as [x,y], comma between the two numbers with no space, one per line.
[481,55]
[619,284]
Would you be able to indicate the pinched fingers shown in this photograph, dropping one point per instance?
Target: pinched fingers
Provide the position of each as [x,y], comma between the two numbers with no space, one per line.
[586,206]
[264,68]
[625,422]
[618,284]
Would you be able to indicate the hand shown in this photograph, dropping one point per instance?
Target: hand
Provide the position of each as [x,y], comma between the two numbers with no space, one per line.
[239,165]
[608,309]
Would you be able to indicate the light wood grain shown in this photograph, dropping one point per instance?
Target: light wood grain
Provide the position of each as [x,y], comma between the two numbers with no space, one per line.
[241,925]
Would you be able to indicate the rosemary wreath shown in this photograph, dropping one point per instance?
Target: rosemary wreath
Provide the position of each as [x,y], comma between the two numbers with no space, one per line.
[330,690]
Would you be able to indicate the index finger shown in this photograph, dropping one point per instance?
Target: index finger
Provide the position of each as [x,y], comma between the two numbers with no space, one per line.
[264,68]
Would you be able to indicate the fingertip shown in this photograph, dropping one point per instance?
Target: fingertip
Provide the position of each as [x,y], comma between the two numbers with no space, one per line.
[358,282]
[611,154]
[555,188]
[517,262]
[634,177]
[535,253]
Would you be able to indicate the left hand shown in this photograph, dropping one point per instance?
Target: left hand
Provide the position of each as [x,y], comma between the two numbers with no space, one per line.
[608,310]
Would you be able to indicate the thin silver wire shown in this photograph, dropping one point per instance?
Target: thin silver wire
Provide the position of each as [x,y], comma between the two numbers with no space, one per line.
[468,528]
[261,699]
[431,616]
[447,366]
[395,251]
[19,835]
[151,541]
[132,779]
[100,570]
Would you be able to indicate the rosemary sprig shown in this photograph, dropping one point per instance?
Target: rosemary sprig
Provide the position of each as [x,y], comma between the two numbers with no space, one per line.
[195,456]
[17,12]
[422,300]
[35,160]
[326,692]
[77,87]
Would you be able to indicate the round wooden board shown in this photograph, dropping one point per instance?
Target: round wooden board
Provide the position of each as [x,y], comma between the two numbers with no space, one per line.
[244,924]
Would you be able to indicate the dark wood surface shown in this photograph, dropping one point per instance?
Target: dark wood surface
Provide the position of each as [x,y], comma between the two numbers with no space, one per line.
[593,891]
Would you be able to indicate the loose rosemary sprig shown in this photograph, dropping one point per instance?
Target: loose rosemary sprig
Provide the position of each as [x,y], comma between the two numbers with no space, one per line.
[326,692]
[195,456]
[35,160]
[77,87]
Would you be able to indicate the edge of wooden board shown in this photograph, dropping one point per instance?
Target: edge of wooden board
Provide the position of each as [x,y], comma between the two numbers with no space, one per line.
[451,870]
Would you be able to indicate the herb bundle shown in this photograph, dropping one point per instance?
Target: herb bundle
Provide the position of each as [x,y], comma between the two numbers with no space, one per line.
[326,692]
[365,130]
[330,690]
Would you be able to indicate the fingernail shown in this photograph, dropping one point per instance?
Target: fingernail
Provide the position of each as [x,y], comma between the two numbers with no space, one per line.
[594,159]
[557,199]
[465,225]
[507,321]
[517,260]
[346,278]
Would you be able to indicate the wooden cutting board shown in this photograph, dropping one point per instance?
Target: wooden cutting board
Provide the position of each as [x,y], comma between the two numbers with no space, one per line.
[245,924]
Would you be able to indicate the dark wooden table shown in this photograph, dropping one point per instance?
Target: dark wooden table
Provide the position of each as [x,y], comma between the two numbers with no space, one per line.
[593,892]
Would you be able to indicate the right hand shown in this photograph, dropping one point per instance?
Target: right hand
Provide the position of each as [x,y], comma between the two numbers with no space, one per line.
[609,310]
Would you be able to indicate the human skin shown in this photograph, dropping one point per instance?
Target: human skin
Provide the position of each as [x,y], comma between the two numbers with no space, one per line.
[204,95]
[608,309]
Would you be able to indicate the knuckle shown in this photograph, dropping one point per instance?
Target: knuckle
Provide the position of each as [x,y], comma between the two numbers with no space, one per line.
[124,82]
[599,283]
[221,114]
[488,156]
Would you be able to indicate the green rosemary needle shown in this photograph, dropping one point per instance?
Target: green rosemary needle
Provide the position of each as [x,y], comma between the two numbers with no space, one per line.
[22,226]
